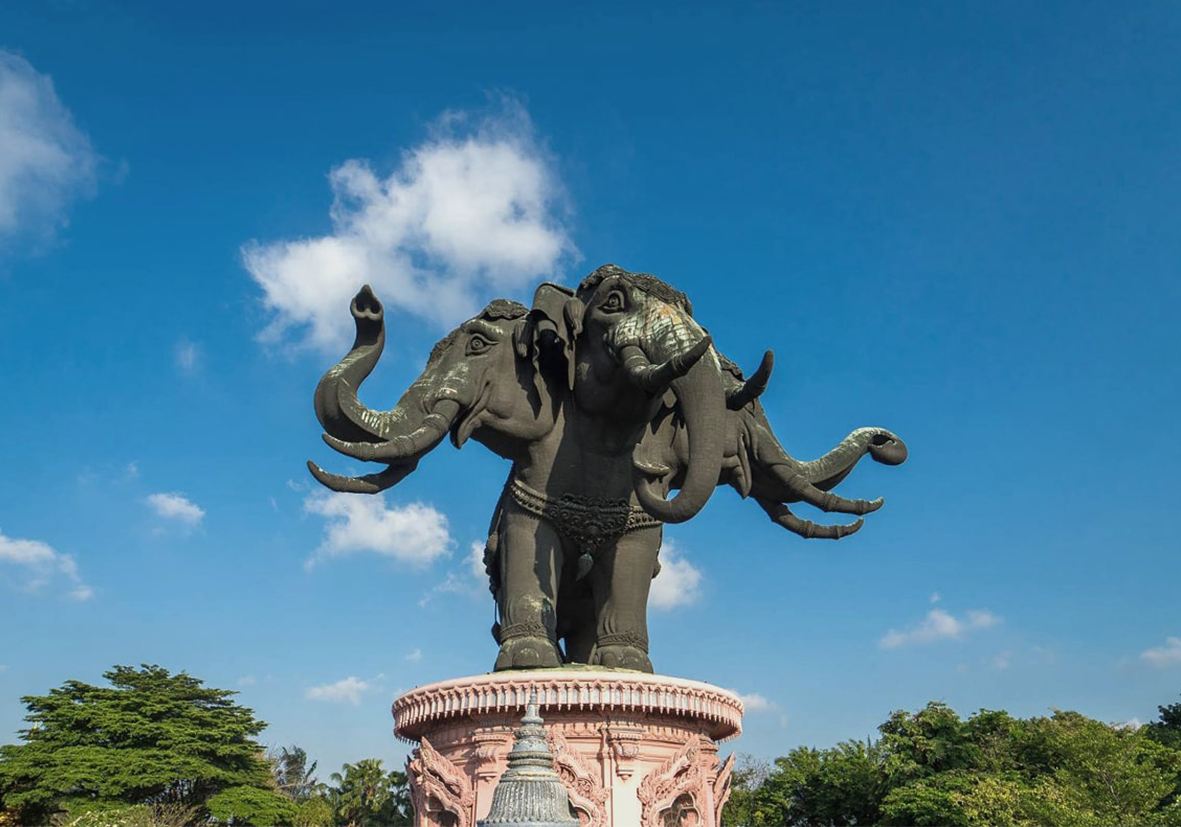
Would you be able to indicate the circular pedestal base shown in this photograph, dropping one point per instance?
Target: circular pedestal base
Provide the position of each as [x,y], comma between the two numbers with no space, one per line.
[633,750]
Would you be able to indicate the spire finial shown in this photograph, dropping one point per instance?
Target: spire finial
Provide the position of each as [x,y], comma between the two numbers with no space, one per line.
[532,715]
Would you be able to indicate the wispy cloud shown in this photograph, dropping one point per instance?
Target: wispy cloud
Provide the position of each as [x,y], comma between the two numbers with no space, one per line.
[37,564]
[679,581]
[45,160]
[940,625]
[415,533]
[346,690]
[1162,656]
[247,680]
[474,208]
[187,356]
[469,579]
[755,702]
[178,507]
[414,656]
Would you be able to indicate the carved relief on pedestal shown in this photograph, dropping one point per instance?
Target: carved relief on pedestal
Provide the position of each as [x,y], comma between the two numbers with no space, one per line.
[586,792]
[625,747]
[722,788]
[491,747]
[441,793]
[669,794]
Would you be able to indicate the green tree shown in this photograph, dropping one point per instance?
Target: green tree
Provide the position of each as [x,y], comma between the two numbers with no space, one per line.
[1106,774]
[365,795]
[747,778]
[292,774]
[251,805]
[151,737]
[1167,728]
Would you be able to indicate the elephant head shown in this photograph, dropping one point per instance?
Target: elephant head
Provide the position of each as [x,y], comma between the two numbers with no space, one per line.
[756,464]
[636,342]
[480,381]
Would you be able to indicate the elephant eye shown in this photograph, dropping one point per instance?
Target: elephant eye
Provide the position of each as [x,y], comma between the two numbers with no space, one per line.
[614,302]
[478,344]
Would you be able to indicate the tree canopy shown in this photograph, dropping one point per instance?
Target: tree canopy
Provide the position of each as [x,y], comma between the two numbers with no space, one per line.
[932,767]
[151,737]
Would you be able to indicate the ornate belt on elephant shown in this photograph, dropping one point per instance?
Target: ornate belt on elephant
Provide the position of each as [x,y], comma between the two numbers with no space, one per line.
[590,522]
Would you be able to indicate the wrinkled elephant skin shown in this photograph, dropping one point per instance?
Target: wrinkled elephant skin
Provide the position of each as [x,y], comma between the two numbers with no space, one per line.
[606,400]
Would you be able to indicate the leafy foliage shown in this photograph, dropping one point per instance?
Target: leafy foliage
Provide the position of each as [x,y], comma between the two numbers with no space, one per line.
[366,795]
[252,805]
[151,737]
[931,767]
[292,774]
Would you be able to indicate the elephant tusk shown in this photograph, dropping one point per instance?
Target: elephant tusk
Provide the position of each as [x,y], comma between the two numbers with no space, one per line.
[654,378]
[752,388]
[434,427]
[781,515]
[367,484]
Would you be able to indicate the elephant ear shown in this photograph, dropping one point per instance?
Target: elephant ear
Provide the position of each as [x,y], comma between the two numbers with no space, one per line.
[547,337]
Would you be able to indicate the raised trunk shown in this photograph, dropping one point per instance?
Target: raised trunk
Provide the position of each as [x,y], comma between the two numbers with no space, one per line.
[337,407]
[703,405]
[834,466]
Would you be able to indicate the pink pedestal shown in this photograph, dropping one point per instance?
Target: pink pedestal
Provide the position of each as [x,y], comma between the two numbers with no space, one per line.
[633,750]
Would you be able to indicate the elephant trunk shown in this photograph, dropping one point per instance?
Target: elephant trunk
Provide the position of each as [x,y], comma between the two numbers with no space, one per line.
[412,428]
[337,407]
[702,401]
[884,446]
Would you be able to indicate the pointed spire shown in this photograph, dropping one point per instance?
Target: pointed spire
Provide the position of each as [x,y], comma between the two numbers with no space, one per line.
[530,793]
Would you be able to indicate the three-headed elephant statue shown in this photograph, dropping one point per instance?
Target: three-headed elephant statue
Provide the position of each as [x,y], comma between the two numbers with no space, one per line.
[606,400]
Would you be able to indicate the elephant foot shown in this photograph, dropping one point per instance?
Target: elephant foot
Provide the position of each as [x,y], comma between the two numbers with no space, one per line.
[621,656]
[527,653]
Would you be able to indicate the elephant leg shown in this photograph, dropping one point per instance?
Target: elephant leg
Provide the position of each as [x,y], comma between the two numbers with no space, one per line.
[530,567]
[576,616]
[620,580]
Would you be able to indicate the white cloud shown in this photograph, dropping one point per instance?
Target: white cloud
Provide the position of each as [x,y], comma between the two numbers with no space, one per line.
[754,702]
[40,563]
[679,581]
[346,690]
[247,680]
[415,656]
[415,533]
[469,580]
[473,209]
[1132,724]
[1003,661]
[936,597]
[177,507]
[1162,656]
[187,356]
[45,161]
[940,625]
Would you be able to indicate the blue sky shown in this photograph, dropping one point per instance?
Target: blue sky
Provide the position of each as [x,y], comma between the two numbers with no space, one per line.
[957,221]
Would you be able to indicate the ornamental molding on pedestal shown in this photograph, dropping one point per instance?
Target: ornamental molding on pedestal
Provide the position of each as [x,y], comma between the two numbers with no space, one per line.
[434,778]
[422,709]
[722,787]
[684,774]
[583,785]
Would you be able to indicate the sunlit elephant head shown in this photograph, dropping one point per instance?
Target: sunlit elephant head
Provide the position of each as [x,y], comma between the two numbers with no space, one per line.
[635,341]
[481,381]
[756,464]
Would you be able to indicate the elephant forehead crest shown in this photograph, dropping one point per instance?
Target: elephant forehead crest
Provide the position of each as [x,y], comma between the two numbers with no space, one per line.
[645,282]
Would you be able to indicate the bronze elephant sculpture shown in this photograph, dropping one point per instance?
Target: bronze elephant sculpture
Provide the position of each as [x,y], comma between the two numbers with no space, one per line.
[606,400]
